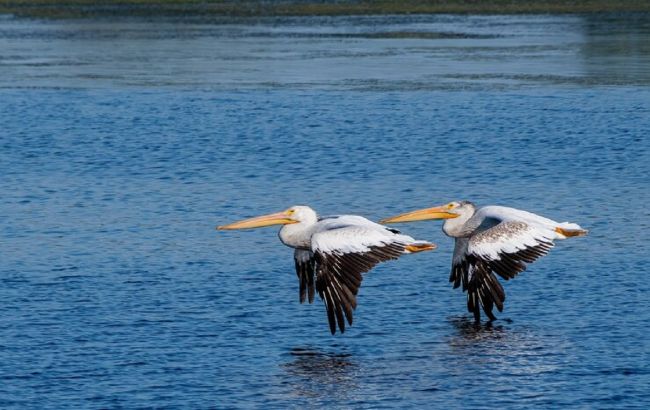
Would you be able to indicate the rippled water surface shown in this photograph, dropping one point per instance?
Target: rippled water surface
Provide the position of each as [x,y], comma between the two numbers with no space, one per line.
[123,144]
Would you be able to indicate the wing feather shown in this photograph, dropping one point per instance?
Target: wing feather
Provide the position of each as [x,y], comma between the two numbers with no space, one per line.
[329,306]
[504,249]
[304,260]
[344,249]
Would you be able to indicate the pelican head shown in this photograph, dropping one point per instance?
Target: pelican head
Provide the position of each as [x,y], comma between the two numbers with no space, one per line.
[451,210]
[295,214]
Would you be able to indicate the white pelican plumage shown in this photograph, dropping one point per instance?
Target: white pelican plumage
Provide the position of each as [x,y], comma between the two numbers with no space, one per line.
[489,240]
[336,250]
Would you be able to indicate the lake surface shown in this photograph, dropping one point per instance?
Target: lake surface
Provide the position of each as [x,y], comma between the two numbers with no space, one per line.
[123,144]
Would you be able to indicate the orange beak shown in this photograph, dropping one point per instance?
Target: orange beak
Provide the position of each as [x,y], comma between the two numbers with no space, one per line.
[279,218]
[438,212]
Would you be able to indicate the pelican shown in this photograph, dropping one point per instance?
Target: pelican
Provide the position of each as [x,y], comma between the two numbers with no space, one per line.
[489,240]
[336,250]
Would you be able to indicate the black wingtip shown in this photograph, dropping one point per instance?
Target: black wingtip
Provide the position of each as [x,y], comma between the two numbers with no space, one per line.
[332,326]
[329,306]
[477,314]
[339,317]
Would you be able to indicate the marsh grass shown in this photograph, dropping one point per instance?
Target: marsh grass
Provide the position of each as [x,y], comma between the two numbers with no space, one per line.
[225,8]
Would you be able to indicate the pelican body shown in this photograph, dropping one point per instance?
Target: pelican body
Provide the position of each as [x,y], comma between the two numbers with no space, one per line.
[489,240]
[332,253]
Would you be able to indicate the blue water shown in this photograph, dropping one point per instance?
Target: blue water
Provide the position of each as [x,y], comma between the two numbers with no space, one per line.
[116,291]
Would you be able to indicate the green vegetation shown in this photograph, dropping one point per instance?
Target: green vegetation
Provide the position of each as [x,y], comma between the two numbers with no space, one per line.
[258,8]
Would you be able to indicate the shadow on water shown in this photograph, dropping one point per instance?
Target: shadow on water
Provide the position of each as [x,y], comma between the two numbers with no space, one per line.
[507,348]
[315,373]
[492,337]
[470,331]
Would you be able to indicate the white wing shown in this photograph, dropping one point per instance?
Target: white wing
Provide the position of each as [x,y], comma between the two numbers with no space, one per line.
[511,238]
[344,248]
[514,237]
[560,229]
[358,236]
[507,239]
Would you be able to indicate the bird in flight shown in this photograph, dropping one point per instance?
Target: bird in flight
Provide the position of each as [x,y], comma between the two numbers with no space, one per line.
[331,254]
[489,240]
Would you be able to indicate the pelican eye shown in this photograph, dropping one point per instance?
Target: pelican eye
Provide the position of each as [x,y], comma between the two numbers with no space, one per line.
[291,211]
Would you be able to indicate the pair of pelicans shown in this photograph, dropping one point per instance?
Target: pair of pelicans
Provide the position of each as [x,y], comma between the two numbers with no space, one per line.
[332,253]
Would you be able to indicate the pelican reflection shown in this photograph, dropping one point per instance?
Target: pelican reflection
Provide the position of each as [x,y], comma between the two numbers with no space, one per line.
[315,373]
[507,349]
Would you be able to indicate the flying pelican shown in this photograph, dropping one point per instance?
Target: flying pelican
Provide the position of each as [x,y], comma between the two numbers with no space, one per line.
[336,250]
[491,239]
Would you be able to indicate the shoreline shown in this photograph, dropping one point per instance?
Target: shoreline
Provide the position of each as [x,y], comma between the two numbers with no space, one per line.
[230,9]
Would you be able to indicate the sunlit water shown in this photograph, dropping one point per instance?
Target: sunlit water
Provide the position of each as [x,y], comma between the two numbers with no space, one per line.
[122,146]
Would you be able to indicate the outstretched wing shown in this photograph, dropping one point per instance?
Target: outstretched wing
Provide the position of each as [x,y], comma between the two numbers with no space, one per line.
[343,251]
[504,249]
[305,270]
